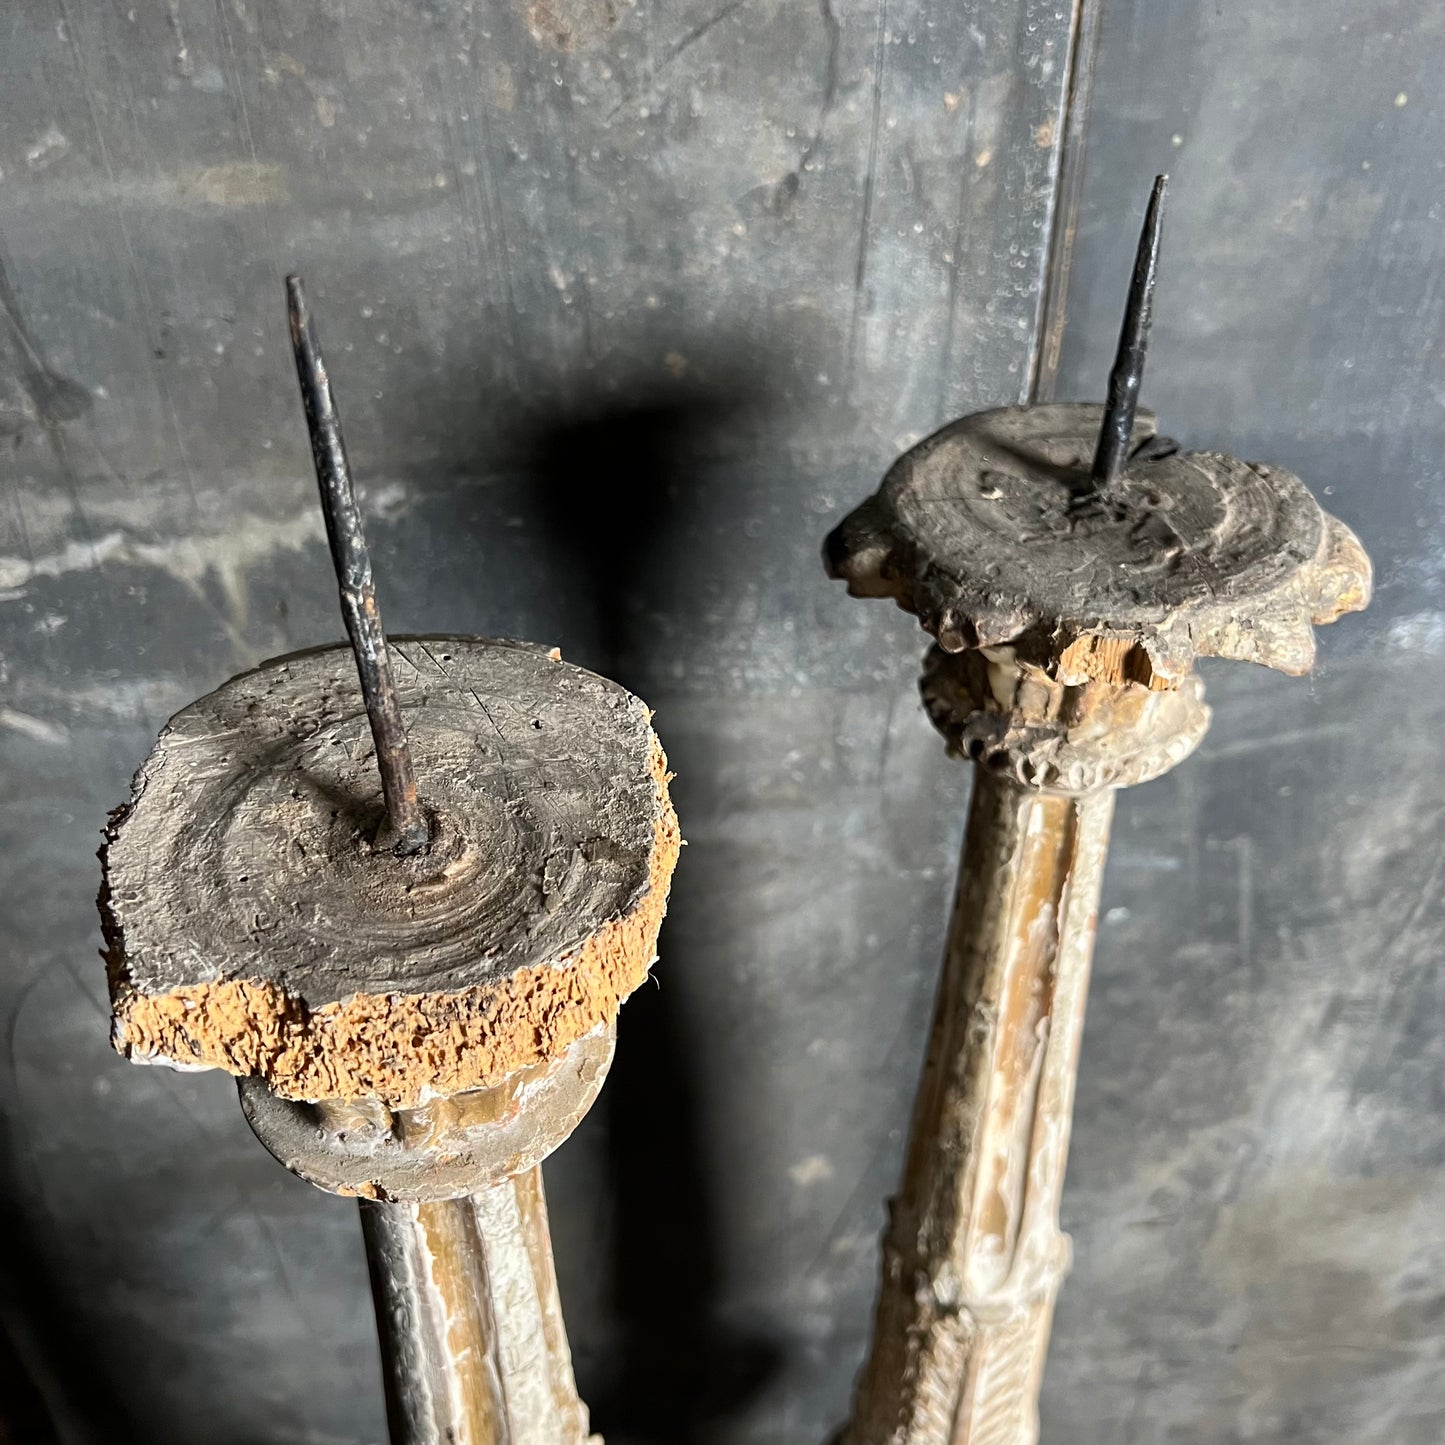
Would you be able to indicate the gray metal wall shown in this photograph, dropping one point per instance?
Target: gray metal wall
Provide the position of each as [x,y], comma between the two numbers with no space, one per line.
[625,304]
[1257,1188]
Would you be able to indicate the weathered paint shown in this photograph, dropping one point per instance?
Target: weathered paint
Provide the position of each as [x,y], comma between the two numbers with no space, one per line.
[973,1258]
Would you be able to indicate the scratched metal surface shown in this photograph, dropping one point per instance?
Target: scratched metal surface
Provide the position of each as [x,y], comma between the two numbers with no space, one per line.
[1257,1189]
[625,303]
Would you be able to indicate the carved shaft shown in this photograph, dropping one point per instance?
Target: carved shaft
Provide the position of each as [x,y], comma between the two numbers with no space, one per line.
[473,1347]
[973,1257]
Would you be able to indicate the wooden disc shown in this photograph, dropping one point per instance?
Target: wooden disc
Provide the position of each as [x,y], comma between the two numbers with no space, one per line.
[442,1149]
[251,926]
[988,533]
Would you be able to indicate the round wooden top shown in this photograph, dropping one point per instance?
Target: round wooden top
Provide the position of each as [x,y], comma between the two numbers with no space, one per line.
[252,925]
[989,533]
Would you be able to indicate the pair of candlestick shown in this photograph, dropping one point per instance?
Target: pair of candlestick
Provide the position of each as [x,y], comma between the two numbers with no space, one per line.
[406,914]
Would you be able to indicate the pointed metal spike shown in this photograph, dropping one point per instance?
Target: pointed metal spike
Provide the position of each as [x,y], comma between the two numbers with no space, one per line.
[405,829]
[1124,380]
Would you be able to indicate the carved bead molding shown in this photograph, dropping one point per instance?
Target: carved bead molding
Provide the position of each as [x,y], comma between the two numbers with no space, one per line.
[1056,737]
[1067,620]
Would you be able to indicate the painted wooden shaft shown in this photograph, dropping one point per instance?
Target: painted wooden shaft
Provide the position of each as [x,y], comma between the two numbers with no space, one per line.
[973,1257]
[1066,626]
[474,1351]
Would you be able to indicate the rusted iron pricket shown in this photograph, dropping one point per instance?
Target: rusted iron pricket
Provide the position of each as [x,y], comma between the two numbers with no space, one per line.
[414,967]
[1070,565]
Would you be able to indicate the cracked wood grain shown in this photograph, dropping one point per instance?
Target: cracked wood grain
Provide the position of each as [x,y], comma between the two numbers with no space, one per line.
[473,1340]
[251,927]
[973,1257]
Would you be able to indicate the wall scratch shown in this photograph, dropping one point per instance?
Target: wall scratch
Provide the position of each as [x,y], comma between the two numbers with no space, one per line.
[239,547]
[865,221]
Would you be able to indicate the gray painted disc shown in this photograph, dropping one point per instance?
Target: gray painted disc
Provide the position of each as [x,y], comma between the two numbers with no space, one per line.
[987,531]
[252,925]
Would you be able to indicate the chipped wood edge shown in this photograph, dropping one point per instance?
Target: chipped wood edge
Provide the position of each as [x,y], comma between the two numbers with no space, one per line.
[400,1048]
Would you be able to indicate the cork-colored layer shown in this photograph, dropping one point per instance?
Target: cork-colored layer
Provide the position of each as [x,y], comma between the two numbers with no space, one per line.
[402,1047]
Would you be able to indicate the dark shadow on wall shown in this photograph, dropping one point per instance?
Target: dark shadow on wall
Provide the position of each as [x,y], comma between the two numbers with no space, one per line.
[605,514]
[45,1351]
[620,492]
